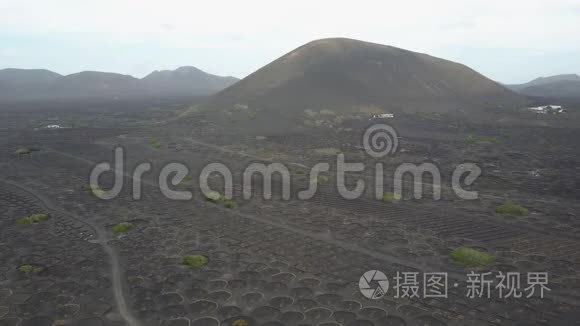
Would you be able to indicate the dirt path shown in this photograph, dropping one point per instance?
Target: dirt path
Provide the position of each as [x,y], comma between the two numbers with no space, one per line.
[102,239]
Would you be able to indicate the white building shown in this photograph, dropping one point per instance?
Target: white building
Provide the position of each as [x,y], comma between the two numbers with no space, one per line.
[548,109]
[383,116]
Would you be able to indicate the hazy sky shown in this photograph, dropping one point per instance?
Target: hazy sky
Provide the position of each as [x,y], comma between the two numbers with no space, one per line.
[507,40]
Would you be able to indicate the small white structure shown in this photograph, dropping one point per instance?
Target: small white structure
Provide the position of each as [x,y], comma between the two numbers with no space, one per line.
[240,106]
[383,116]
[548,109]
[53,127]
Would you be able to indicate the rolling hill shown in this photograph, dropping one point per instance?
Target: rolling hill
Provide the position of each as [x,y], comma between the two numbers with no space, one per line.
[27,76]
[346,75]
[559,86]
[186,80]
[35,84]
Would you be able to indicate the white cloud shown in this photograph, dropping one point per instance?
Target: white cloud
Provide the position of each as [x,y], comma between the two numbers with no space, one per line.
[498,23]
[255,25]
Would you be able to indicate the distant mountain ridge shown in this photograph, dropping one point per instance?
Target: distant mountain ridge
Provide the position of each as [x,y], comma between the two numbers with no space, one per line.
[40,84]
[558,86]
[24,76]
[184,79]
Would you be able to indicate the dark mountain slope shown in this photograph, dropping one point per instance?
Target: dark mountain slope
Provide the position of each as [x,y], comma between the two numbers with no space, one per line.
[345,75]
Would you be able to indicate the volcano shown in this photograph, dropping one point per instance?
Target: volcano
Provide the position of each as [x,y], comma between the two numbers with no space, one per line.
[344,75]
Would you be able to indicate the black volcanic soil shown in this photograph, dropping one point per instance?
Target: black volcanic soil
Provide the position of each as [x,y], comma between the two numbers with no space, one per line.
[276,262]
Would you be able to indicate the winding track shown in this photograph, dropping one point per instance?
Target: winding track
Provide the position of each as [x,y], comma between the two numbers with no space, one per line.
[102,239]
